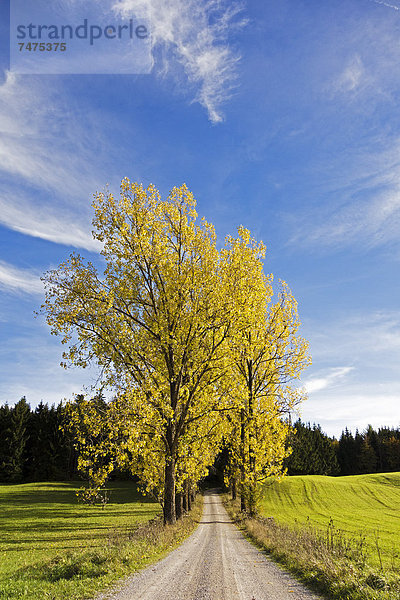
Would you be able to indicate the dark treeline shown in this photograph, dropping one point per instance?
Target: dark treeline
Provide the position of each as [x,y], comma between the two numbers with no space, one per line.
[34,447]
[315,453]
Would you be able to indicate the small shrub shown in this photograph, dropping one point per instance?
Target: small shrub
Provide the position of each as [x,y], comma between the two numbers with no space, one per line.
[88,564]
[376,582]
[92,496]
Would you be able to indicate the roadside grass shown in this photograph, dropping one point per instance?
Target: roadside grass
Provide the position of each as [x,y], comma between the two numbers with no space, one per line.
[355,505]
[52,548]
[339,535]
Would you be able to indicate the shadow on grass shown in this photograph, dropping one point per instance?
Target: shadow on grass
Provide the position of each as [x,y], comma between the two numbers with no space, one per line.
[65,493]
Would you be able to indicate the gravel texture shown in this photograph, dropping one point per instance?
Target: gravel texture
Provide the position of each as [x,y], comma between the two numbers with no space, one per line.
[215,563]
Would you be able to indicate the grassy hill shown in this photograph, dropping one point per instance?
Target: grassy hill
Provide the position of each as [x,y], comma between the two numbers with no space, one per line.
[367,505]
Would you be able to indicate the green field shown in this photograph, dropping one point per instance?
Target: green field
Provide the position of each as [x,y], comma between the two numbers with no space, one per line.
[360,504]
[49,544]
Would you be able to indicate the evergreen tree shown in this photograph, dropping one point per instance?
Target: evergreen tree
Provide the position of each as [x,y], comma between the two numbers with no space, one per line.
[358,442]
[374,442]
[49,448]
[19,435]
[391,452]
[368,460]
[5,435]
[347,453]
[313,452]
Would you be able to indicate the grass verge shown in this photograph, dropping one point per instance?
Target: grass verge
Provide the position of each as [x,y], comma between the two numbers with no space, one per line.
[53,548]
[358,503]
[329,562]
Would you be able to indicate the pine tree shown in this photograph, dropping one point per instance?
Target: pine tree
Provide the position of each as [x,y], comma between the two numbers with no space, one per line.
[5,440]
[19,435]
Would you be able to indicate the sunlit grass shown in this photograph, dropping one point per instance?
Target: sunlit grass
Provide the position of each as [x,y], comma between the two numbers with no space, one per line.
[340,535]
[367,505]
[51,547]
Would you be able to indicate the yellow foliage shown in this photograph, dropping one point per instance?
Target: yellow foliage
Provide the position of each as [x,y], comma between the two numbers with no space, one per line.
[174,324]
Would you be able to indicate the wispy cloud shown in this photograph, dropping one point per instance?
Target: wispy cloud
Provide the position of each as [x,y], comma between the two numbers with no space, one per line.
[385,4]
[362,203]
[36,371]
[60,226]
[41,141]
[193,35]
[353,77]
[327,380]
[19,280]
[48,163]
[369,222]
[52,156]
[360,339]
[366,389]
[356,170]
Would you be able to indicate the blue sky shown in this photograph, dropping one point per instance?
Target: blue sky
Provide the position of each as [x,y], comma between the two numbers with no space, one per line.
[280,116]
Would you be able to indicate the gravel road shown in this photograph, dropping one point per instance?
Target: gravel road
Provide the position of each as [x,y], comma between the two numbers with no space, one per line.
[215,563]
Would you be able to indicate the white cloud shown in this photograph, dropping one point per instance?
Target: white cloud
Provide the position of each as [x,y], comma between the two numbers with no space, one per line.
[51,155]
[360,339]
[368,391]
[354,408]
[354,177]
[332,378]
[49,163]
[353,77]
[193,34]
[61,227]
[41,141]
[361,201]
[19,280]
[369,222]
[36,371]
[385,4]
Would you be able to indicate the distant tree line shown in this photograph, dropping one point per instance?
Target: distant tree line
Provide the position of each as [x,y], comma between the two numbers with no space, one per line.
[369,452]
[315,453]
[35,446]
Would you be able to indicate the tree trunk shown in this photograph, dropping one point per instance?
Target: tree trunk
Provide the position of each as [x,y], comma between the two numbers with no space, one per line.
[252,458]
[179,505]
[233,488]
[252,501]
[242,460]
[169,491]
[184,499]
[189,498]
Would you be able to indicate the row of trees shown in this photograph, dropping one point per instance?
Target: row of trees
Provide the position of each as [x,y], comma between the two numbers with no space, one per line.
[369,452]
[314,453]
[190,339]
[44,444]
[33,447]
[194,347]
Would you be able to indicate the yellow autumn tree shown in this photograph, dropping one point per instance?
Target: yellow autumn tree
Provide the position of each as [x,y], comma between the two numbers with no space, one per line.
[155,321]
[103,434]
[188,340]
[267,354]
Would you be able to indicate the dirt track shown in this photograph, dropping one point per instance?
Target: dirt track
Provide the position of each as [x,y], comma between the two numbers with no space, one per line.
[215,563]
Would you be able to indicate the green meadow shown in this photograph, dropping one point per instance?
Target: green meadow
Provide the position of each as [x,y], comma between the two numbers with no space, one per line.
[358,505]
[51,547]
